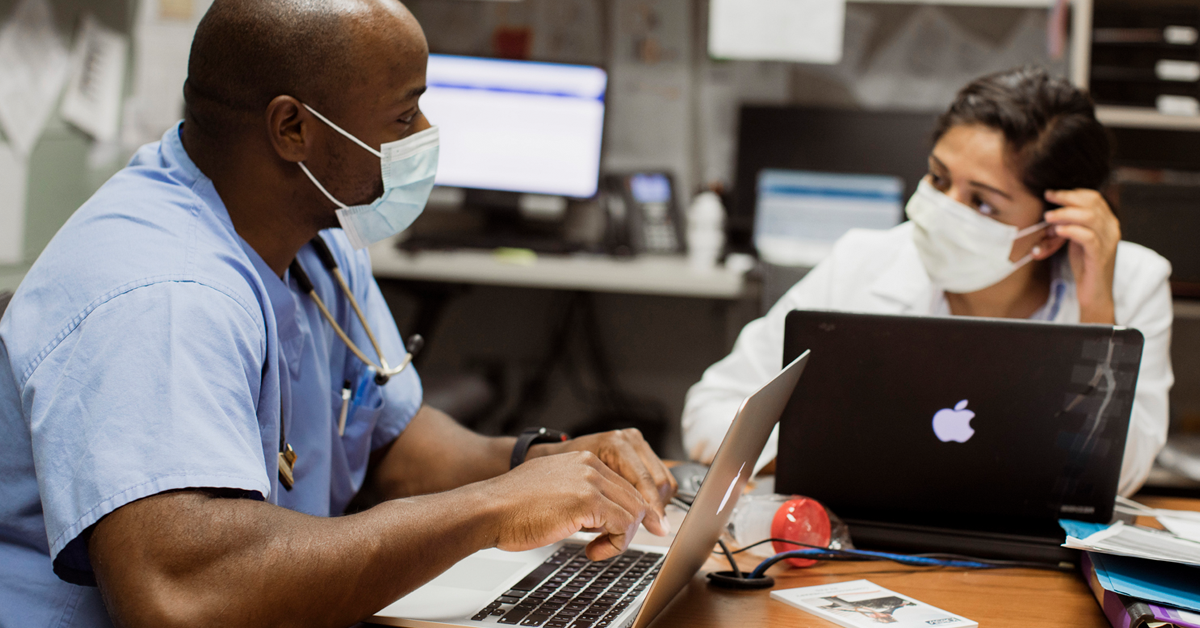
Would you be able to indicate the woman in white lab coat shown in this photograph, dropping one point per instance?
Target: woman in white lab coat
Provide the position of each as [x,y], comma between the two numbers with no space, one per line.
[1007,224]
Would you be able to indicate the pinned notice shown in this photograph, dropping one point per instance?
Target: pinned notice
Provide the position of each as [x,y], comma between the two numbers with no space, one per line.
[33,67]
[804,31]
[93,98]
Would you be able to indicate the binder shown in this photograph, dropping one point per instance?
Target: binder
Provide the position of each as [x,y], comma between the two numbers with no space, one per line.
[1125,611]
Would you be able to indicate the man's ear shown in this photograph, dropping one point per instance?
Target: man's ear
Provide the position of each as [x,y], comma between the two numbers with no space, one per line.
[290,128]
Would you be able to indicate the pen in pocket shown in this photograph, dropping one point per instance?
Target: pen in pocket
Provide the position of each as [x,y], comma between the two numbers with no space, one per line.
[347,395]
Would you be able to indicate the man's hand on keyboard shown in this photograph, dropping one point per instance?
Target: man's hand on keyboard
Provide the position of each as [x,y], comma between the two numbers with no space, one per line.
[627,453]
[550,498]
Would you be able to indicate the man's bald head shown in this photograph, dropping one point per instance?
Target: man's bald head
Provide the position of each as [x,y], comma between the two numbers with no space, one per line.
[247,52]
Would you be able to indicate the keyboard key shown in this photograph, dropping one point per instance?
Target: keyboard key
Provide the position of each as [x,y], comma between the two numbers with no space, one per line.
[554,623]
[535,577]
[507,599]
[513,617]
[481,616]
[496,612]
[582,624]
[535,620]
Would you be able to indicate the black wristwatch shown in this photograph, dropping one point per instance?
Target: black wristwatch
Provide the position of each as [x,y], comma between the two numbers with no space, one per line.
[533,436]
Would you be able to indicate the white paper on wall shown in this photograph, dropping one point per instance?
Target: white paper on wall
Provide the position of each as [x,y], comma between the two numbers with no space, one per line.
[931,57]
[804,31]
[93,98]
[650,90]
[33,67]
[14,178]
[162,42]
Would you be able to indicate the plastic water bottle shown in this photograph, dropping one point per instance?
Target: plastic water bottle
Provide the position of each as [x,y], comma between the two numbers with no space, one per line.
[705,232]
[792,517]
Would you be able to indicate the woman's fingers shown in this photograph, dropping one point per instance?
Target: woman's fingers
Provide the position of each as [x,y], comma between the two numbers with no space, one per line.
[1080,235]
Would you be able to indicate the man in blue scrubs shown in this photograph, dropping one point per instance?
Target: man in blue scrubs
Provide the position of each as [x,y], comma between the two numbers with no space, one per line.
[160,355]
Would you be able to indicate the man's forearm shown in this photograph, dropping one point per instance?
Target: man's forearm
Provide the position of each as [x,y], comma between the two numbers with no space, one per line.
[434,454]
[236,562]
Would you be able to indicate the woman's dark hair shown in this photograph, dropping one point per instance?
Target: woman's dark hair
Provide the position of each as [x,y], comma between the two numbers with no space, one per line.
[1049,124]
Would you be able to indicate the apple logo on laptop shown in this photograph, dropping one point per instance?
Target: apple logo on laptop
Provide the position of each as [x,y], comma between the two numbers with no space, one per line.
[954,424]
[729,491]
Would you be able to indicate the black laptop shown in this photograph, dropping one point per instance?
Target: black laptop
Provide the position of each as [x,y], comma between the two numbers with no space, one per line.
[961,435]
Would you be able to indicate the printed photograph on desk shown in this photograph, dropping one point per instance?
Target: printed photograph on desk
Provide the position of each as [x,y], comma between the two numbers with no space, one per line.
[864,604]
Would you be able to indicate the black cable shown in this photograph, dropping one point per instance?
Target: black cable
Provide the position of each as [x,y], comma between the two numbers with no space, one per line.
[729,555]
[841,555]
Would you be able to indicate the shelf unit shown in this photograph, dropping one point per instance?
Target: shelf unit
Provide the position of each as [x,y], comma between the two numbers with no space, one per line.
[1008,4]
[1126,117]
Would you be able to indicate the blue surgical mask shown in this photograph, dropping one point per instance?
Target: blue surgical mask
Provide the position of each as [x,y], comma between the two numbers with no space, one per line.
[408,166]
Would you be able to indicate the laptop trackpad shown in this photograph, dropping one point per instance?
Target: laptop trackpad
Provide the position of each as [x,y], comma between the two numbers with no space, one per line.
[462,590]
[478,573]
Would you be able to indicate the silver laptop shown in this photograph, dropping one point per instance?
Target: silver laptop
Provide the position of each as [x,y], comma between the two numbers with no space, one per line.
[558,587]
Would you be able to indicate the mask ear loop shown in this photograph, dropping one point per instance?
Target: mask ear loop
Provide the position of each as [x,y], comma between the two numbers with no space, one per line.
[321,187]
[1021,234]
[344,133]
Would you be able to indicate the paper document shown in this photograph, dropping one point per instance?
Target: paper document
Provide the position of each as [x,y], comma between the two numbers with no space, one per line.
[1182,523]
[864,604]
[93,98]
[33,67]
[14,179]
[804,31]
[1128,540]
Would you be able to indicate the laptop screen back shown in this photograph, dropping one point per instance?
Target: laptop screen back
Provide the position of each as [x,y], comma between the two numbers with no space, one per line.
[957,420]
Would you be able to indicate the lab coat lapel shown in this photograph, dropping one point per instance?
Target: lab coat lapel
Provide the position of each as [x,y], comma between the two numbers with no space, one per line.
[904,287]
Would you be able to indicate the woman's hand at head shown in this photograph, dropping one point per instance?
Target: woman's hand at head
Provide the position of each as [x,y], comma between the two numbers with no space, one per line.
[1092,230]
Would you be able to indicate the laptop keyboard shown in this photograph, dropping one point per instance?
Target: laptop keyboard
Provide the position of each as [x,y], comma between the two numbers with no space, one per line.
[570,591]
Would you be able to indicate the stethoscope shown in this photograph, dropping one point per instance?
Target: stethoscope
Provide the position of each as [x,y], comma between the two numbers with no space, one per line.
[383,372]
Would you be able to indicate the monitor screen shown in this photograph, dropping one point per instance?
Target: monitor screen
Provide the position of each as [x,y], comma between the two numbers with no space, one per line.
[517,126]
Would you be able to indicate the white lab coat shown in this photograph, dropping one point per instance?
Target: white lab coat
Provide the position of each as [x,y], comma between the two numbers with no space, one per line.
[880,272]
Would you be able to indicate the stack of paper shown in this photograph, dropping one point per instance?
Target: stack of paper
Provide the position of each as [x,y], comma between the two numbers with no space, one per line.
[1130,540]
[1142,576]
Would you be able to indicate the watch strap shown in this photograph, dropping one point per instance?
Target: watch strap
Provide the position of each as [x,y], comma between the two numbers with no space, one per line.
[534,436]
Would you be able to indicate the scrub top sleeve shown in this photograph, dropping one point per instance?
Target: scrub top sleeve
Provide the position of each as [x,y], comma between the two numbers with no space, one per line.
[152,390]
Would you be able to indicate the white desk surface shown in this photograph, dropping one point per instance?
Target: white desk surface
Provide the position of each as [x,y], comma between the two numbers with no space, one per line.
[647,274]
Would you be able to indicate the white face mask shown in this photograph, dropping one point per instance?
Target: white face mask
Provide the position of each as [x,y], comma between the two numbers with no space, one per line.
[409,166]
[962,250]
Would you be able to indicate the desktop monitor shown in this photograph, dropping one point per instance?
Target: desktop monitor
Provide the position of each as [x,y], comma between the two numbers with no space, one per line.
[808,139]
[517,126]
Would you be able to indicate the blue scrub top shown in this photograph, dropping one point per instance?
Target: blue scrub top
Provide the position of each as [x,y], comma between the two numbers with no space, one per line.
[150,349]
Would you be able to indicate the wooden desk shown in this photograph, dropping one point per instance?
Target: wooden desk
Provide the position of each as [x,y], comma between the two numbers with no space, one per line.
[995,598]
